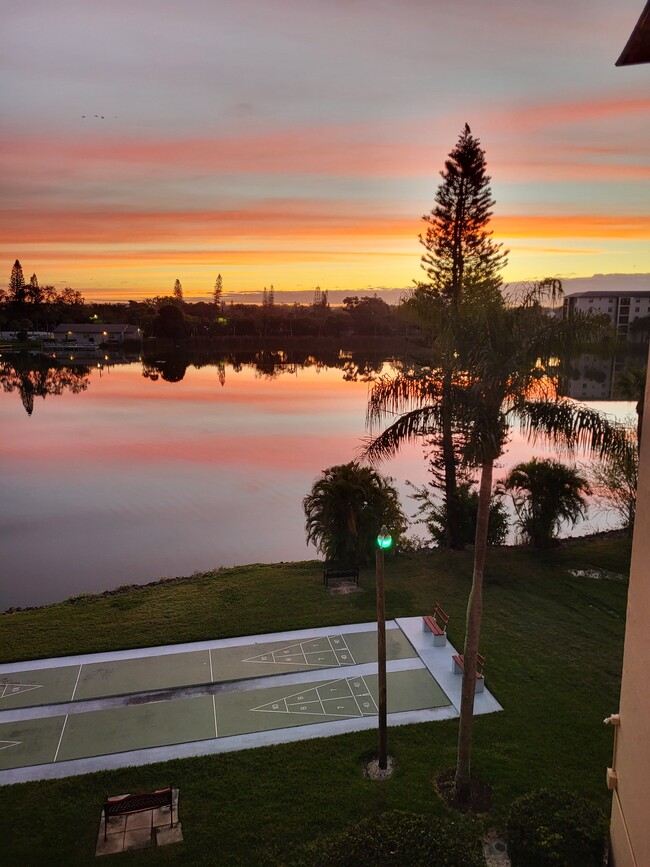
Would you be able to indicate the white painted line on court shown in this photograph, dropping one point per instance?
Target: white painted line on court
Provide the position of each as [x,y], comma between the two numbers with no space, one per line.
[58,746]
[76,683]
[214,713]
[210,658]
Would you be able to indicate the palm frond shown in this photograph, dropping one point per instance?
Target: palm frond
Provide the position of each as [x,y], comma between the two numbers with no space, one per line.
[409,427]
[402,393]
[573,427]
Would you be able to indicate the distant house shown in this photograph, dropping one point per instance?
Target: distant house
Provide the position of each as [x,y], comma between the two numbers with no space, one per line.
[623,308]
[89,335]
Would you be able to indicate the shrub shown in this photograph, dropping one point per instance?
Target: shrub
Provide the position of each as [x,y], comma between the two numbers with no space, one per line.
[398,838]
[550,828]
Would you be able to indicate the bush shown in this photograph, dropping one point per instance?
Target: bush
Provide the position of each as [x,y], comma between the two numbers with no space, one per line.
[400,839]
[555,829]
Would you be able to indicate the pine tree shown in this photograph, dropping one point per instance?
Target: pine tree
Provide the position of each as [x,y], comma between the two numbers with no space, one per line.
[461,255]
[270,298]
[178,290]
[34,292]
[265,298]
[217,292]
[462,263]
[17,289]
[318,297]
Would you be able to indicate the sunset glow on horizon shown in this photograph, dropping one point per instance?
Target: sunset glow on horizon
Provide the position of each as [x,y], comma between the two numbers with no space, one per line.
[299,143]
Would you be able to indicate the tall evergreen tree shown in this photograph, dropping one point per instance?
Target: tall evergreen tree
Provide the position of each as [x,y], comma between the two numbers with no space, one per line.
[461,256]
[34,291]
[217,292]
[462,263]
[178,290]
[17,289]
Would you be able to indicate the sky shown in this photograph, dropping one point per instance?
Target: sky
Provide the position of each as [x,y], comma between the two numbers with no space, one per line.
[299,142]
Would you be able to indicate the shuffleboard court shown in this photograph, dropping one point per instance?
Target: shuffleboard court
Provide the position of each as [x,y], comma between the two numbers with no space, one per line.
[136,727]
[36,687]
[324,701]
[148,673]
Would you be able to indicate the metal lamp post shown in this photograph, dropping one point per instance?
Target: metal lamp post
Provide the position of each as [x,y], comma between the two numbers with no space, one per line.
[384,541]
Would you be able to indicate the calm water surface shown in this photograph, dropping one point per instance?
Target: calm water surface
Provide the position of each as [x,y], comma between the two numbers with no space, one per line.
[135,478]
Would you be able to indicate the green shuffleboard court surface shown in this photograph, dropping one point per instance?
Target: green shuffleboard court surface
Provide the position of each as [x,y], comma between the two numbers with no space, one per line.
[162,723]
[124,676]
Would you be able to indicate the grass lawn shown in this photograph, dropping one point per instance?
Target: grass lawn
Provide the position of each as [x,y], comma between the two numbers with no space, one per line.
[553,644]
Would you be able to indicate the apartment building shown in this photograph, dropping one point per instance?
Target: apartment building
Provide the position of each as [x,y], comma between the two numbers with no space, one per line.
[623,308]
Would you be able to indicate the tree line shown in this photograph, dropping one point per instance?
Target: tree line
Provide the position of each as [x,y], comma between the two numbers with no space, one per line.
[26,305]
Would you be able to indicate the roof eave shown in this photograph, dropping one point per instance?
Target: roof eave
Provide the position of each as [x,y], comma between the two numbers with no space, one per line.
[637,49]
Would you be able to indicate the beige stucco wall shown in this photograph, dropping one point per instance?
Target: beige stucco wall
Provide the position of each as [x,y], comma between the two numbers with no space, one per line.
[630,825]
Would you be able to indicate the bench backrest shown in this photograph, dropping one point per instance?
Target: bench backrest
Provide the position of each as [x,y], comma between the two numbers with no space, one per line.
[480,662]
[439,615]
[137,802]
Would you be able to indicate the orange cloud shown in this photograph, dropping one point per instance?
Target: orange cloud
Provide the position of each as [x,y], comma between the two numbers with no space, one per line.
[573,226]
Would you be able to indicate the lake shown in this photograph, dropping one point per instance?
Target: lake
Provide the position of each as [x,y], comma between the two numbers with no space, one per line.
[118,473]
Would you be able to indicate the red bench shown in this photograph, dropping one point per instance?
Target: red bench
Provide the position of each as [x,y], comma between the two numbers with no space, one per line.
[458,666]
[436,623]
[124,805]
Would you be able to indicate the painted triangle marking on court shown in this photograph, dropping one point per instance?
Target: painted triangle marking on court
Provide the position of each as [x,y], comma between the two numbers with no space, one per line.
[296,654]
[16,688]
[4,745]
[279,706]
[311,701]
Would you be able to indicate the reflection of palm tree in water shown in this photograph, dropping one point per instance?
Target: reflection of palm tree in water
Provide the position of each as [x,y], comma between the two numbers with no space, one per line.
[35,376]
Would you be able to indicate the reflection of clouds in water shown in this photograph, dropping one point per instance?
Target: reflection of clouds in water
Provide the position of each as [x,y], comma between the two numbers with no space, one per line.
[142,479]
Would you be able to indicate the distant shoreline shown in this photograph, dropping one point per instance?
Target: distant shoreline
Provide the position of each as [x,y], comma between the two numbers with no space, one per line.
[124,589]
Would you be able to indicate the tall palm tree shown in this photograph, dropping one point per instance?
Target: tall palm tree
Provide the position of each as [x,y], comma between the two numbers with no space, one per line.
[546,493]
[505,352]
[345,509]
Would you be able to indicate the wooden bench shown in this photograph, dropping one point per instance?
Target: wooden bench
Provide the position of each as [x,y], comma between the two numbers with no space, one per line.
[436,623]
[458,666]
[340,573]
[124,805]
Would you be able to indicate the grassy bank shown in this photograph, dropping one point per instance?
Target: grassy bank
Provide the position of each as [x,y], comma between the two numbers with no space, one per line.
[553,643]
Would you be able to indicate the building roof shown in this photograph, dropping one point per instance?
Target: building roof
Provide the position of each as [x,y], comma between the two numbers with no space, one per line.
[87,328]
[611,293]
[637,49]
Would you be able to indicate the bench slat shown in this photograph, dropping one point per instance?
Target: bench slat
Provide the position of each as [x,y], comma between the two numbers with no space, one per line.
[433,626]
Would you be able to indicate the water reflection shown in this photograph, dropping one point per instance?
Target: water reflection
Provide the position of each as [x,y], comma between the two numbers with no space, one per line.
[33,376]
[177,462]
[356,365]
[597,376]
[171,464]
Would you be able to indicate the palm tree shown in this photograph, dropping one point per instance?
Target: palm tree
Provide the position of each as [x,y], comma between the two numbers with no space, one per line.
[345,509]
[505,354]
[546,493]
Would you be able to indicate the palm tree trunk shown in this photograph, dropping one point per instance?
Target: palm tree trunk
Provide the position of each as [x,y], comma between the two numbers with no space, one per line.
[452,530]
[472,636]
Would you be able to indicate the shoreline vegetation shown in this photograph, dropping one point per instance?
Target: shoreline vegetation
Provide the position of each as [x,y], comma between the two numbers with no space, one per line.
[553,635]
[266,597]
[124,589]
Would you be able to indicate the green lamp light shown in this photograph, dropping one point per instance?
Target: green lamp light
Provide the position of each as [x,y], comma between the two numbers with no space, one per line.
[384,540]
